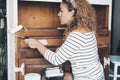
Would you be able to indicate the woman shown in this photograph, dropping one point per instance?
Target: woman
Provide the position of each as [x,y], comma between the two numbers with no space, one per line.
[79,43]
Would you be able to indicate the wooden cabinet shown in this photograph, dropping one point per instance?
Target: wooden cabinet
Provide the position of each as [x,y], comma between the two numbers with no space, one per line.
[40,21]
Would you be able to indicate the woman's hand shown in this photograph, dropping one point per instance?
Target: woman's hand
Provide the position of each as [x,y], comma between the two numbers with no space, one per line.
[32,43]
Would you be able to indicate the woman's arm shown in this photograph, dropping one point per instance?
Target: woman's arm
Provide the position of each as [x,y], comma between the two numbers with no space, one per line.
[33,43]
[64,52]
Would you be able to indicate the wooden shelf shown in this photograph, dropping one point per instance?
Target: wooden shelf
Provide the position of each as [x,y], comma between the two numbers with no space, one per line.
[38,33]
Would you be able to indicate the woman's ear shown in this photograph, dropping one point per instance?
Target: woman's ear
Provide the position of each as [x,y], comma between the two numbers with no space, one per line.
[72,13]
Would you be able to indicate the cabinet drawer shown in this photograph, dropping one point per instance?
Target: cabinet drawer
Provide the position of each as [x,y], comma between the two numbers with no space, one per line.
[31,53]
[35,65]
[49,42]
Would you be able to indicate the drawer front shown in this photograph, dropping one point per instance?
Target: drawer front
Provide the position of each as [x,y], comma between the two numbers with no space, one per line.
[49,42]
[35,66]
[29,54]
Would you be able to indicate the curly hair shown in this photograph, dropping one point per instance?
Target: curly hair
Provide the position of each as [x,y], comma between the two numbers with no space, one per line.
[84,16]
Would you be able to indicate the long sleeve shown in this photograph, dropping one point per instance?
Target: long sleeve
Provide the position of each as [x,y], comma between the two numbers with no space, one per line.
[67,49]
[81,50]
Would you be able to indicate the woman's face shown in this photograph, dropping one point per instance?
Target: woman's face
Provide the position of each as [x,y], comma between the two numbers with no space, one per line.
[65,15]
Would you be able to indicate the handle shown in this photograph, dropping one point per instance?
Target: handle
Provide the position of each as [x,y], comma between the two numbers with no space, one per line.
[20,69]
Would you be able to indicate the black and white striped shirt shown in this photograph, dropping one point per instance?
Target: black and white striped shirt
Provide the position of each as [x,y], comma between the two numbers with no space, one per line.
[81,50]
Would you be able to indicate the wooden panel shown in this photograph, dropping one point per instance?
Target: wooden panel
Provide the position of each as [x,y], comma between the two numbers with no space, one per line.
[31,53]
[39,33]
[102,16]
[101,41]
[38,14]
[102,32]
[34,66]
[107,16]
[50,42]
[104,52]
[35,61]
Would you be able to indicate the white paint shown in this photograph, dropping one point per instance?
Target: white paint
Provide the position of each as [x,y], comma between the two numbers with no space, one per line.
[44,0]
[12,21]
[32,76]
[15,29]
[106,61]
[53,72]
[104,2]
[44,42]
[0,50]
[100,2]
[2,24]
[21,69]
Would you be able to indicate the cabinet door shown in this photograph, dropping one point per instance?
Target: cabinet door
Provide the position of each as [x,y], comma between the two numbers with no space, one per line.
[33,60]
[103,36]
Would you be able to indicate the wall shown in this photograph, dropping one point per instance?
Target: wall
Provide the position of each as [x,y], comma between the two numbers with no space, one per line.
[116,26]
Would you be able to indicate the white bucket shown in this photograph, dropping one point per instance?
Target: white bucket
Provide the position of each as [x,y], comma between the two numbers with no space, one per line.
[32,76]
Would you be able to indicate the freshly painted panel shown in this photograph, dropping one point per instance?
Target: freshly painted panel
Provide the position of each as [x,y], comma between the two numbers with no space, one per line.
[44,0]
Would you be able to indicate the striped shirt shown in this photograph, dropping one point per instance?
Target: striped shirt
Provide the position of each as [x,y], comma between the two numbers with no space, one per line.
[81,50]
